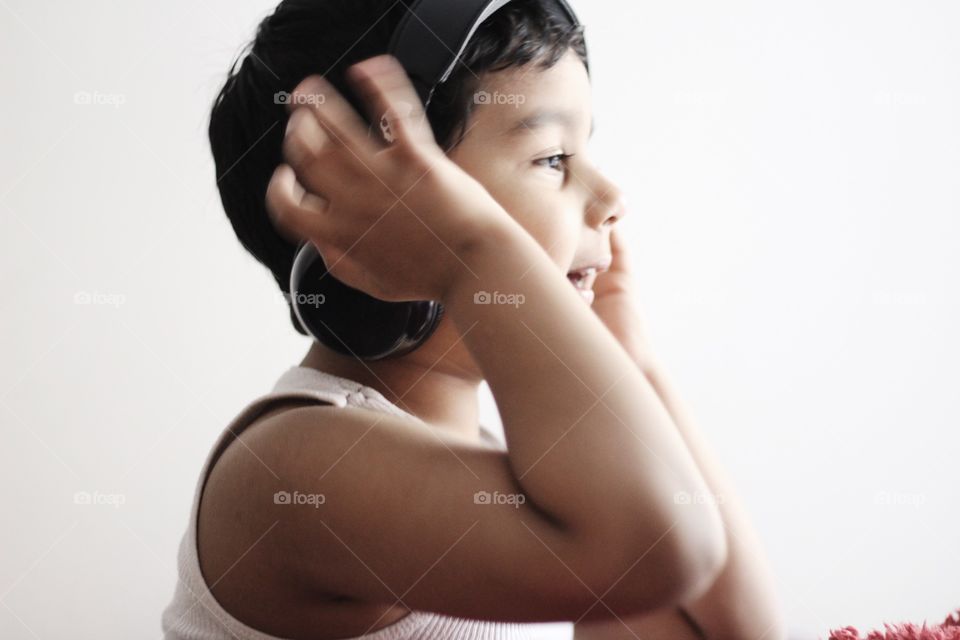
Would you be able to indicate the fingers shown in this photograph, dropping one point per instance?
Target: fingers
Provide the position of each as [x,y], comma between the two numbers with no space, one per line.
[339,120]
[619,253]
[391,100]
[316,158]
[303,216]
[295,211]
[304,142]
[617,245]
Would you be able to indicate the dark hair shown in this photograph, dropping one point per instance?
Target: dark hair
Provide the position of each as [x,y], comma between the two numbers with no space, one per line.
[304,37]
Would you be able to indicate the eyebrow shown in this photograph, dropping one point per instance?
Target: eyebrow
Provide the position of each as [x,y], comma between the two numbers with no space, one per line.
[542,118]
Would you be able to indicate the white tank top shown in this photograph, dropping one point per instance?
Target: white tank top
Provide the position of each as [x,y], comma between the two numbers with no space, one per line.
[194,614]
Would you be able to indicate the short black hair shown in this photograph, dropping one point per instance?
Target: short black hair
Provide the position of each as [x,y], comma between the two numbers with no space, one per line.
[305,37]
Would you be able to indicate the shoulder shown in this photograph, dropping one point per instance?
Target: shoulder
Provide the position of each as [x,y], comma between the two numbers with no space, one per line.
[246,564]
[229,526]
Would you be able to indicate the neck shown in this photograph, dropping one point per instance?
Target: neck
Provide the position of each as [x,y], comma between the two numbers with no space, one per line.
[436,382]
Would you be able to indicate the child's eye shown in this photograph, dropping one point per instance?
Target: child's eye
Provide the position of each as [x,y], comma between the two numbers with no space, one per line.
[560,157]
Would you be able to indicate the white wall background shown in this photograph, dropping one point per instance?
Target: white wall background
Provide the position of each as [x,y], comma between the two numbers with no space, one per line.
[792,170]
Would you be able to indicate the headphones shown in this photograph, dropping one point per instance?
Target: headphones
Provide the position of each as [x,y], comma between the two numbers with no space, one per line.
[428,42]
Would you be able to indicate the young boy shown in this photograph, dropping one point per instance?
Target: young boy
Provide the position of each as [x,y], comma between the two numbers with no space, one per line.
[411,521]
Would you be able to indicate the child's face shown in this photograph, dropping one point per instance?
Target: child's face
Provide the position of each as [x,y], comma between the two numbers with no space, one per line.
[568,206]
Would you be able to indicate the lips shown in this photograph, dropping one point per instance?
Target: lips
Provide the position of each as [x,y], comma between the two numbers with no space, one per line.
[585,275]
[583,278]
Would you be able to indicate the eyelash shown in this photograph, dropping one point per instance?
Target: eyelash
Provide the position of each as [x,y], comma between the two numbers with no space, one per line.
[563,158]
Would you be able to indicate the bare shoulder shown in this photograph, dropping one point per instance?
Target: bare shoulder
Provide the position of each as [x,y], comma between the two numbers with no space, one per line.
[242,559]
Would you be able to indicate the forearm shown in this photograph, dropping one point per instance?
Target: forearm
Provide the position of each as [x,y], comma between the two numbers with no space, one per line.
[577,416]
[742,603]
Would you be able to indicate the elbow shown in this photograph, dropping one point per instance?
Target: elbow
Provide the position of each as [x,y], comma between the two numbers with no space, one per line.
[662,565]
[701,573]
[677,569]
[701,555]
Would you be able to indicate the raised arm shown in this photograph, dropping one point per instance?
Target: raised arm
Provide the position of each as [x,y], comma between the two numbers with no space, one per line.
[593,463]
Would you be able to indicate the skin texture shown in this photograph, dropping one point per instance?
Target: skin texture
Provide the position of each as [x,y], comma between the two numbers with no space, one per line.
[570,209]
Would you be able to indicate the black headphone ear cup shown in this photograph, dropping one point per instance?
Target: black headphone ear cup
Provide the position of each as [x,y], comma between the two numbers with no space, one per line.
[352,322]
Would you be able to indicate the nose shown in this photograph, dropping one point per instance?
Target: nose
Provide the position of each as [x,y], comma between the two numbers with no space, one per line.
[607,204]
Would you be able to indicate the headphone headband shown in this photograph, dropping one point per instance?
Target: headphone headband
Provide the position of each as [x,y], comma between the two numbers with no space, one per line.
[432,36]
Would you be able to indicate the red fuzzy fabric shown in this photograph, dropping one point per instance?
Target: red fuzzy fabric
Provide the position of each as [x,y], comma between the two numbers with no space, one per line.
[948,630]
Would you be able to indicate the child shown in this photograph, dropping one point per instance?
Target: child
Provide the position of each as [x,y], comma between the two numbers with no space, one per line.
[363,499]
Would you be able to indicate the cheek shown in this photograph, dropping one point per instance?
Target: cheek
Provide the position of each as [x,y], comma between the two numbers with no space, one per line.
[542,216]
[546,220]
[556,232]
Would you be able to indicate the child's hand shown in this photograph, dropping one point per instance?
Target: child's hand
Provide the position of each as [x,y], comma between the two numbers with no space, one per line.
[387,219]
[616,301]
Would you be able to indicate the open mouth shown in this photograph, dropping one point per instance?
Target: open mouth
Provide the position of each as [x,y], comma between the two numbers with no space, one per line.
[582,280]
